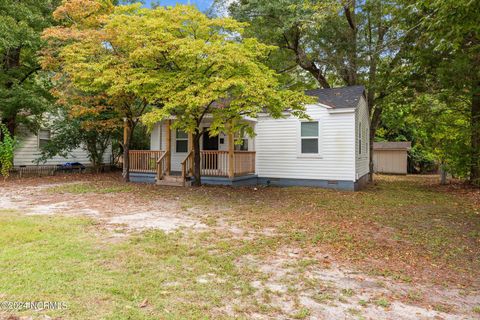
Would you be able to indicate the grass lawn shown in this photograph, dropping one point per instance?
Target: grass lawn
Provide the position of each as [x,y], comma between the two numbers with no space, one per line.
[402,229]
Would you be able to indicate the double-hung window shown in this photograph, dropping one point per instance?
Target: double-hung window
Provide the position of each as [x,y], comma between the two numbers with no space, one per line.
[309,134]
[43,137]
[181,141]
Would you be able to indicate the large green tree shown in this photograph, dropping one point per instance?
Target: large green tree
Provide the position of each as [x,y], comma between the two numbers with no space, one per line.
[193,67]
[444,61]
[337,42]
[24,93]
[84,55]
[177,60]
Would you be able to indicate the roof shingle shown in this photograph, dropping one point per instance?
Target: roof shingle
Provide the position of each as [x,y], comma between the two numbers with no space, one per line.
[344,97]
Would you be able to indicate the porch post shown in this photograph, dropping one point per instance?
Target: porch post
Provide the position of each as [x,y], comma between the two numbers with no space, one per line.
[168,147]
[190,149]
[125,131]
[231,156]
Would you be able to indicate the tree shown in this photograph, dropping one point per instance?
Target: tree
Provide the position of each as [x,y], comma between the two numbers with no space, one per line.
[83,51]
[445,62]
[343,42]
[23,91]
[191,66]
[90,126]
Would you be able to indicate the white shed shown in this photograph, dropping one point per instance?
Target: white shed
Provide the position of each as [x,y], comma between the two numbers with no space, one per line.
[391,157]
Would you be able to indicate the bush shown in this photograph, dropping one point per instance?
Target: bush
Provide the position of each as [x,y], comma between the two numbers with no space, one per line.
[7,148]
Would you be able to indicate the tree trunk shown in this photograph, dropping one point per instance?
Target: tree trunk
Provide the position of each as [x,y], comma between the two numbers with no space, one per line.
[197,173]
[443,175]
[126,150]
[374,123]
[475,136]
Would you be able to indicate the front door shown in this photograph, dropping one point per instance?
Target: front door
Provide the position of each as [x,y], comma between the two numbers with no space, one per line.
[209,143]
[209,159]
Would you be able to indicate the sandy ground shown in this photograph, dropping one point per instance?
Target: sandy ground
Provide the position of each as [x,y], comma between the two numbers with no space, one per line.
[289,283]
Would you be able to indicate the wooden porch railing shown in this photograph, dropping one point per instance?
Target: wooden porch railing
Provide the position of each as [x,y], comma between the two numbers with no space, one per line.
[162,165]
[214,163]
[187,165]
[244,162]
[143,160]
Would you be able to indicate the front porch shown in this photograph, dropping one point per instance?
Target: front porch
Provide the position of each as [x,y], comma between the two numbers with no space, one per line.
[174,165]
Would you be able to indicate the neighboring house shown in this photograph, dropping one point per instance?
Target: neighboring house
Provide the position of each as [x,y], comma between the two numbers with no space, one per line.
[28,150]
[391,157]
[330,150]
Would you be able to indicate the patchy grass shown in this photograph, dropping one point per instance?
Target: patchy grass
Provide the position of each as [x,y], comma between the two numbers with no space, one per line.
[401,227]
[81,188]
[382,302]
[150,276]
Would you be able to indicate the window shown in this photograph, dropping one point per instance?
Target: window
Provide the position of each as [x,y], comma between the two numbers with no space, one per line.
[359,138]
[367,138]
[309,137]
[243,146]
[43,137]
[181,141]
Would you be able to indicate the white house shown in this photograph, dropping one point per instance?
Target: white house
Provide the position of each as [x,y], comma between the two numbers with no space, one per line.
[28,150]
[329,150]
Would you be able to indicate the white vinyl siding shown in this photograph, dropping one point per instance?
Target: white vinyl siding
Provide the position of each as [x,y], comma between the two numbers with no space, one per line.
[362,136]
[278,147]
[28,151]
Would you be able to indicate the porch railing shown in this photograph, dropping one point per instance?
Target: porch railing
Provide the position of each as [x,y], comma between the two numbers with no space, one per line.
[244,162]
[162,165]
[144,160]
[187,165]
[212,163]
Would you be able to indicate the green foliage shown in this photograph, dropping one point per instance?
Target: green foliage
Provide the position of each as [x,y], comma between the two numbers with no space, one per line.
[7,148]
[179,61]
[91,131]
[23,92]
[441,76]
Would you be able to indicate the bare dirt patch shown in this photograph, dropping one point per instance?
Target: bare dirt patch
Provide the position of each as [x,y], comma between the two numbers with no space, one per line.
[114,209]
[294,281]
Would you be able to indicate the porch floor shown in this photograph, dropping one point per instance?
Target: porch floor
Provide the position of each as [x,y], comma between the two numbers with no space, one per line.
[250,179]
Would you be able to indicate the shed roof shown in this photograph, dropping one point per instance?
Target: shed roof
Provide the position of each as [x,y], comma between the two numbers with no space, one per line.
[344,97]
[392,145]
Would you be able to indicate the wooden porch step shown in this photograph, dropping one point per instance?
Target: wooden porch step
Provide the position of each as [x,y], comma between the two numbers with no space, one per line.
[173,181]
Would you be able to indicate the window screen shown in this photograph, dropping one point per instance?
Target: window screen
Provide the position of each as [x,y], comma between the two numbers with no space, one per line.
[309,137]
[43,137]
[181,141]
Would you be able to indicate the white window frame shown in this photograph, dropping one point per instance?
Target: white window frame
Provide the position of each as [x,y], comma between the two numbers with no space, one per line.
[39,139]
[360,134]
[180,139]
[238,147]
[319,138]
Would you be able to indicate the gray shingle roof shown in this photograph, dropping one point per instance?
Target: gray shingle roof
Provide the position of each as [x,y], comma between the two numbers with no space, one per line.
[344,97]
[392,145]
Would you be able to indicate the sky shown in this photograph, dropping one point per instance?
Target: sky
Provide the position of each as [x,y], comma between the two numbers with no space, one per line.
[201,4]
